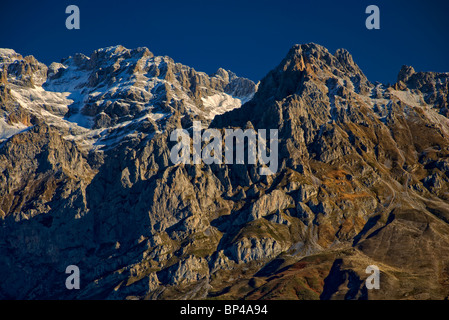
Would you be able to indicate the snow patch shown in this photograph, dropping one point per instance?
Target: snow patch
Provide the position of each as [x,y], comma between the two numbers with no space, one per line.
[7,52]
[413,100]
[220,103]
[8,130]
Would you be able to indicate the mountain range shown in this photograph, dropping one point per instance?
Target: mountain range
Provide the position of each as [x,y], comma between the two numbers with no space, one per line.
[86,180]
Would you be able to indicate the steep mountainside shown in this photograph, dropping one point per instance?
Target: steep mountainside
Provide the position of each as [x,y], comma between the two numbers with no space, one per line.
[86,179]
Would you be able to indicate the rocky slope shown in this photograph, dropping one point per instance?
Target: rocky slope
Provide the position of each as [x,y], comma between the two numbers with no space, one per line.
[86,179]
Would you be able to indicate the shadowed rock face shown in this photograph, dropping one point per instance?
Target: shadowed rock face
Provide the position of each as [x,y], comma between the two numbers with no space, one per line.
[86,179]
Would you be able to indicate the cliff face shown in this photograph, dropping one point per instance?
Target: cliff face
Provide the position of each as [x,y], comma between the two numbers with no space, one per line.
[86,179]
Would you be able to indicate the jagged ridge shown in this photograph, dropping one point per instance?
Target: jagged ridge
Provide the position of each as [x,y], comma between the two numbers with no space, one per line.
[362,179]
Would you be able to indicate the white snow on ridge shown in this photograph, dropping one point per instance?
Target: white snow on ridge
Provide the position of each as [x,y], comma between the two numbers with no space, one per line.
[409,98]
[220,103]
[7,56]
[69,86]
[7,52]
[157,115]
[7,130]
[35,99]
[417,101]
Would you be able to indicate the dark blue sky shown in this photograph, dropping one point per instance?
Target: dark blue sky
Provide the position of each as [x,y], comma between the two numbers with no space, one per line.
[247,37]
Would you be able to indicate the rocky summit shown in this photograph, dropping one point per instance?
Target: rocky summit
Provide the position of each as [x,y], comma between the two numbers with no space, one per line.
[86,180]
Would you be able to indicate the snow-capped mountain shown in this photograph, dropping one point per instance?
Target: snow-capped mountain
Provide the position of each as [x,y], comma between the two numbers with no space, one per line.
[115,93]
[86,180]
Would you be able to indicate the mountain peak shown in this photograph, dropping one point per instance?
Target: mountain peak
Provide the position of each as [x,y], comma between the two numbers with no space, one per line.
[405,73]
[86,179]
[307,48]
[312,62]
[7,53]
[320,59]
[308,71]
[119,90]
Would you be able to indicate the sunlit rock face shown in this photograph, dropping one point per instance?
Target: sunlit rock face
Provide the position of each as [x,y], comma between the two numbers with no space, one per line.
[86,179]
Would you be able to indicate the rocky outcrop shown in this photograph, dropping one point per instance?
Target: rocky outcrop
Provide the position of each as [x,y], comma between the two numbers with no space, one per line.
[86,179]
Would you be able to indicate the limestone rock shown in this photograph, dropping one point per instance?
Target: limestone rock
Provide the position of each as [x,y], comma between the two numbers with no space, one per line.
[86,179]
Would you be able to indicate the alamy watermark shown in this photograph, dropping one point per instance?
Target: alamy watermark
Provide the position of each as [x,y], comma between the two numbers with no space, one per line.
[192,153]
[373,20]
[72,21]
[373,281]
[72,281]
